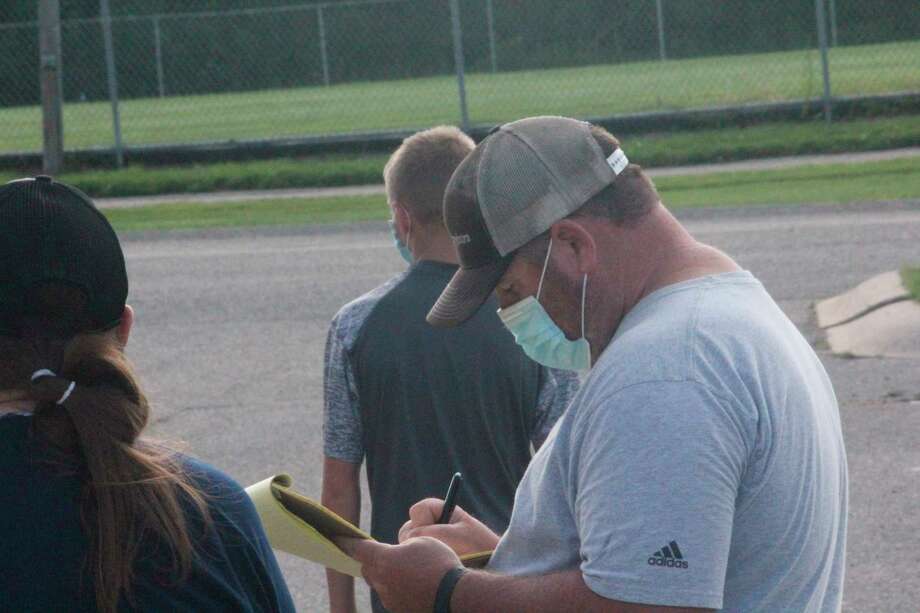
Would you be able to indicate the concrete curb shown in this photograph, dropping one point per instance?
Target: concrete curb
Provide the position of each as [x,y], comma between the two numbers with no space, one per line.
[877,318]
[892,331]
[877,292]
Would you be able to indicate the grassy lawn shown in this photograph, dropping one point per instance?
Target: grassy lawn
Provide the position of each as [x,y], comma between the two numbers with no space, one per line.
[326,171]
[911,277]
[589,91]
[281,212]
[890,180]
[667,149]
[831,184]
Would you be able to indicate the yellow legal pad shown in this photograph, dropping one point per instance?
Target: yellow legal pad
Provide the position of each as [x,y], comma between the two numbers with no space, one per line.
[303,527]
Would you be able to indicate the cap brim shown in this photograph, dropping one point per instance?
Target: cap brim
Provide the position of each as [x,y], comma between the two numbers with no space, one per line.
[467,291]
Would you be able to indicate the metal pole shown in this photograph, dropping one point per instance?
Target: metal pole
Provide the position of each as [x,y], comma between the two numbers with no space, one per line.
[458,61]
[490,18]
[49,42]
[158,50]
[833,17]
[322,43]
[112,76]
[661,48]
[825,68]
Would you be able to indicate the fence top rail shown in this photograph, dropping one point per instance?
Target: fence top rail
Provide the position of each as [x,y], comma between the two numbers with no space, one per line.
[289,8]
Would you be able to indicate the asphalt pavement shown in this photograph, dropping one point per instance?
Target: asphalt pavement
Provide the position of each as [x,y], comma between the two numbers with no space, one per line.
[231,327]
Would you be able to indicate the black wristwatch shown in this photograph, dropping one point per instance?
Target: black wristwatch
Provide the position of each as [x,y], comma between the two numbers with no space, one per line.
[446,589]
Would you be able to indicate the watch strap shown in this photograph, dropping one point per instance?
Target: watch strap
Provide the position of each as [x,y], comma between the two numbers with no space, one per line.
[446,589]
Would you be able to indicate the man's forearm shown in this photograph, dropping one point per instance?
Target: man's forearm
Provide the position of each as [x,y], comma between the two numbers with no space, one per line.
[483,592]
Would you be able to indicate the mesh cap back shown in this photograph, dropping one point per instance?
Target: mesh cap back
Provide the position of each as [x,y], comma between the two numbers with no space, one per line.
[533,173]
[51,233]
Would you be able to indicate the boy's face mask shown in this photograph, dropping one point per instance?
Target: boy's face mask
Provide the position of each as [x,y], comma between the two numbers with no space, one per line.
[539,336]
[401,246]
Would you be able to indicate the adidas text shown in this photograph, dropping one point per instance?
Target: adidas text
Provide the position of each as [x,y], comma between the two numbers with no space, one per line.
[667,563]
[669,556]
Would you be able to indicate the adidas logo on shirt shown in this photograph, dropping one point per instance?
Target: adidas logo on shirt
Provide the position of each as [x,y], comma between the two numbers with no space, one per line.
[669,556]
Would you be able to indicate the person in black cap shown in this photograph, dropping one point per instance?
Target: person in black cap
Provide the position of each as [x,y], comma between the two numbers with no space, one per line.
[701,464]
[94,517]
[414,401]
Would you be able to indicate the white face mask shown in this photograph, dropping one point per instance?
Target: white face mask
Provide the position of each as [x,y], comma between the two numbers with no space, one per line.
[539,336]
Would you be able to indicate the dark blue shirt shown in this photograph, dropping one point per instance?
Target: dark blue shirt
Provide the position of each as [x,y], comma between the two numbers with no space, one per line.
[43,547]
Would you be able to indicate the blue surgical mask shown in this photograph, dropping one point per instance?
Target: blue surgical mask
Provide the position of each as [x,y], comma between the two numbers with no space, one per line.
[539,336]
[401,246]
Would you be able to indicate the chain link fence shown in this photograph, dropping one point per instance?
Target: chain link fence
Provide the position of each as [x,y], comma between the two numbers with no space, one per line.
[338,69]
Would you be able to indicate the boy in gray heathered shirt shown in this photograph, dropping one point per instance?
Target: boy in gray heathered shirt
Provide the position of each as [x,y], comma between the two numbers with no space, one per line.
[701,465]
[410,401]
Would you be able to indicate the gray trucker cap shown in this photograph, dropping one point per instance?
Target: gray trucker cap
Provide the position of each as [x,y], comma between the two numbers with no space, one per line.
[524,177]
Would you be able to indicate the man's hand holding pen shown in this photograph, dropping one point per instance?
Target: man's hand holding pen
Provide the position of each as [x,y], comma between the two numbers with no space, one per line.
[407,576]
[464,534]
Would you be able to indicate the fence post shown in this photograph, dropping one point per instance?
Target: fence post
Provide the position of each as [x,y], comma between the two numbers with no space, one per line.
[112,77]
[49,42]
[158,50]
[825,67]
[458,61]
[661,47]
[490,19]
[833,17]
[322,43]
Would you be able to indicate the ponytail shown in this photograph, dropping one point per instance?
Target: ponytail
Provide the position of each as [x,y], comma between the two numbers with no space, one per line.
[95,411]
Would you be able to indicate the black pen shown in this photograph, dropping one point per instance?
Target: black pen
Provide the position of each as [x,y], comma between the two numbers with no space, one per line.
[450,500]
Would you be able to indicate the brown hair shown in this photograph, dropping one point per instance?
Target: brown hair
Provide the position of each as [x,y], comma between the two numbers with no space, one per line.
[132,488]
[623,202]
[627,199]
[417,173]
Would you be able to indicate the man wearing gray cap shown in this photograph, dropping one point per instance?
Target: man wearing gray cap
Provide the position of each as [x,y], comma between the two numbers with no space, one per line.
[701,465]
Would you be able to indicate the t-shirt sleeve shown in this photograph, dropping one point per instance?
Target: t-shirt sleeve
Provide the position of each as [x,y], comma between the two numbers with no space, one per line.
[342,435]
[658,470]
[236,553]
[557,388]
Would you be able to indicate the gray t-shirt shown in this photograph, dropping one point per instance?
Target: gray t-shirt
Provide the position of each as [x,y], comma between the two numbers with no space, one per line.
[700,465]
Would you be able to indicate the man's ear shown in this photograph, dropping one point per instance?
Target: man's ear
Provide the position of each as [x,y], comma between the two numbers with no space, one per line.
[123,331]
[573,239]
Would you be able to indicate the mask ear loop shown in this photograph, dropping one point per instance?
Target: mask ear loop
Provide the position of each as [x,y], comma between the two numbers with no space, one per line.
[408,232]
[584,286]
[545,265]
[409,236]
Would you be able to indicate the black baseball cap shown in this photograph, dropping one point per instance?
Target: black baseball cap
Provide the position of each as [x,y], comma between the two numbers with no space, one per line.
[520,180]
[52,234]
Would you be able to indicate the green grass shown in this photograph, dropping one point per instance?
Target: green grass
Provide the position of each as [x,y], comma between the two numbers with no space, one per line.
[280,212]
[890,180]
[911,278]
[647,150]
[324,171]
[773,139]
[589,91]
[823,184]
